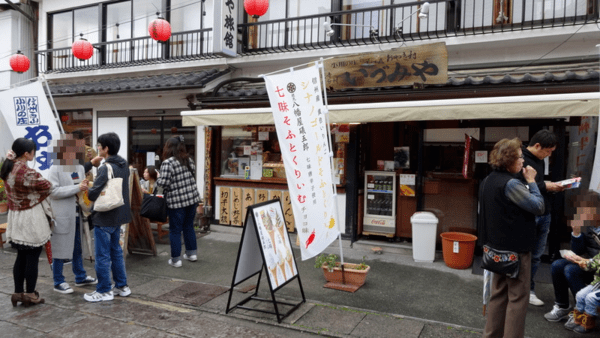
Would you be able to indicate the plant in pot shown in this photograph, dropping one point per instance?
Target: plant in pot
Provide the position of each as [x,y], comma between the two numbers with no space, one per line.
[3,197]
[350,277]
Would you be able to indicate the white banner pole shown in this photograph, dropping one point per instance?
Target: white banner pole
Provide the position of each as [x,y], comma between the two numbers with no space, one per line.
[321,67]
[595,177]
[54,110]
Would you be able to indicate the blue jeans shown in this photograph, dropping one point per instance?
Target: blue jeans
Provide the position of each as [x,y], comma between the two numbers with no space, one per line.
[109,257]
[565,276]
[78,270]
[588,300]
[542,229]
[182,220]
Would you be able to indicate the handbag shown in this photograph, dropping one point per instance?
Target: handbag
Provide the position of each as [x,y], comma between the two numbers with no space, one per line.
[154,207]
[502,262]
[111,196]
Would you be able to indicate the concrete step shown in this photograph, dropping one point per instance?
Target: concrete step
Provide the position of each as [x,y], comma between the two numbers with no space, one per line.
[403,248]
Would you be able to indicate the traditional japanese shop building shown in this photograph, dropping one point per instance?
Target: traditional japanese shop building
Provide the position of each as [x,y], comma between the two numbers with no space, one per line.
[512,69]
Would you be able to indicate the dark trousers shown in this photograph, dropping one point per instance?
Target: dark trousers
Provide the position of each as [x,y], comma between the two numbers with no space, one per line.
[565,276]
[508,303]
[26,269]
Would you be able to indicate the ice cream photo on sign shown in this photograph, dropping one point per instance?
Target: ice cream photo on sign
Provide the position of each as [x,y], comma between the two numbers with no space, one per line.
[279,224]
[272,266]
[281,264]
[266,221]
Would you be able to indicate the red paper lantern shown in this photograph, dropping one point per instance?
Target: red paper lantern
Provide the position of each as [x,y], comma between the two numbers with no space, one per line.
[256,8]
[160,29]
[153,131]
[174,130]
[19,62]
[64,118]
[82,49]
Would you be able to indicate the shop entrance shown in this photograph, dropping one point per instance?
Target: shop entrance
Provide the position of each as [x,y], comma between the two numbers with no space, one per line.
[147,137]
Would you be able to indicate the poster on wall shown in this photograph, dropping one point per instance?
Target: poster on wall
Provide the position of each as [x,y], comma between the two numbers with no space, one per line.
[303,134]
[27,114]
[401,157]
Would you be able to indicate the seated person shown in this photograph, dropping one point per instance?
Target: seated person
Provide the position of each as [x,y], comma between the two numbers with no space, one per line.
[149,182]
[588,298]
[569,275]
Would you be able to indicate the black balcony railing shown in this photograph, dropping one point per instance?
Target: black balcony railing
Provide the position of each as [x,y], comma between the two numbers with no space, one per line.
[182,46]
[392,24]
[400,22]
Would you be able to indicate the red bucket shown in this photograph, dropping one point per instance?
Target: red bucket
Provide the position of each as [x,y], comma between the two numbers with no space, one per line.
[458,248]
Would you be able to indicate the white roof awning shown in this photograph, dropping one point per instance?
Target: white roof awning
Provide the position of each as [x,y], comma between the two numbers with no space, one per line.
[509,107]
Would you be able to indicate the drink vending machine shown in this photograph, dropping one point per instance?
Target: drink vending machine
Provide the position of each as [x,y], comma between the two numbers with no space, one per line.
[380,203]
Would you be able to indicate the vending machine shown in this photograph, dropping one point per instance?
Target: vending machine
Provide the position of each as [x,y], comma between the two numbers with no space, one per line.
[380,203]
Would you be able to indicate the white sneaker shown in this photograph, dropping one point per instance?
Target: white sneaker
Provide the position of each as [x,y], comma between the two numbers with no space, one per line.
[176,264]
[123,292]
[191,258]
[533,300]
[98,297]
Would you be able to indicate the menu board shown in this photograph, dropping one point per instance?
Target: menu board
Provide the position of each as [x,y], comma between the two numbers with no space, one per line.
[265,243]
[275,243]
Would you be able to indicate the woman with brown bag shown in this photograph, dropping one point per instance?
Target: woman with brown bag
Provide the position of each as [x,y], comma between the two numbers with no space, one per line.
[28,228]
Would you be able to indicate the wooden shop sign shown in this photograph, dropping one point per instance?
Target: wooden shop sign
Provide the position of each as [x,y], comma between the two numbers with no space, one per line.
[424,64]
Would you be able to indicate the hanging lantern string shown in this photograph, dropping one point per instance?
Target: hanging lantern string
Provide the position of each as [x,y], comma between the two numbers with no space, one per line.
[27,50]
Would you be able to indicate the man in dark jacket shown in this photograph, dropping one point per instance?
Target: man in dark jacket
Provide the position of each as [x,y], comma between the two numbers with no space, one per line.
[107,225]
[541,146]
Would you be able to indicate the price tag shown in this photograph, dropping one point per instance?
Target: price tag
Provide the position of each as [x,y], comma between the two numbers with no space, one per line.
[456,247]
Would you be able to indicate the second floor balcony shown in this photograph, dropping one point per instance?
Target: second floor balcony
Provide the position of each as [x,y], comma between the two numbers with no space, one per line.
[394,23]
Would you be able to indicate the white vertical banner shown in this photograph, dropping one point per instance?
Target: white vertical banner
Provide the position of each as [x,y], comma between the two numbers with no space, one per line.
[298,112]
[595,179]
[27,114]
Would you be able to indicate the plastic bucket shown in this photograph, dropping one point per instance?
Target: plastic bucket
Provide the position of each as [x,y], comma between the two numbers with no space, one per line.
[458,248]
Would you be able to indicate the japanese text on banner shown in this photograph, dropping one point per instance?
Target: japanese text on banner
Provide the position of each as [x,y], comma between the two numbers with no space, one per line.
[298,112]
[27,114]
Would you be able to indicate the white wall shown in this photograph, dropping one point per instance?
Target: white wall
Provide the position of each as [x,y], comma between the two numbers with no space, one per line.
[492,134]
[200,159]
[19,34]
[117,125]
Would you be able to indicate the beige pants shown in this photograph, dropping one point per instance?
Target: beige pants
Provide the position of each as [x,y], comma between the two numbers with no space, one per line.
[508,303]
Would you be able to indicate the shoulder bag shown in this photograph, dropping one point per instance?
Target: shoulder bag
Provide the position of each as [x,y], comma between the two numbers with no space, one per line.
[111,196]
[502,262]
[154,207]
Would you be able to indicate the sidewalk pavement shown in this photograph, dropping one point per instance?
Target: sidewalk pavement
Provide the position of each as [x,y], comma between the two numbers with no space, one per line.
[401,298]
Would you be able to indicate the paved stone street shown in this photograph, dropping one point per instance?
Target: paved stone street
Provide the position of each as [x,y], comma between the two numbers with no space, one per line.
[400,299]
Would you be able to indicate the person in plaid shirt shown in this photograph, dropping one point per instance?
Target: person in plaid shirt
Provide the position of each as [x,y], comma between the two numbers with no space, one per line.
[177,182]
[588,298]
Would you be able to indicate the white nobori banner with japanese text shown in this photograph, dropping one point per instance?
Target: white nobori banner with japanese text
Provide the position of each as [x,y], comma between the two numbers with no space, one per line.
[27,113]
[302,130]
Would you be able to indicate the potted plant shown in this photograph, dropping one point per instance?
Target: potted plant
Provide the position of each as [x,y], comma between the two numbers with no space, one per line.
[3,197]
[350,279]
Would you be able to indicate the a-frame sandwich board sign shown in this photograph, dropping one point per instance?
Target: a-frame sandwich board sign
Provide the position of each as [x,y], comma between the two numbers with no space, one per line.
[265,245]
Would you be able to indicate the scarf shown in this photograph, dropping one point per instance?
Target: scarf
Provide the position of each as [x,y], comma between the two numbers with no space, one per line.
[25,187]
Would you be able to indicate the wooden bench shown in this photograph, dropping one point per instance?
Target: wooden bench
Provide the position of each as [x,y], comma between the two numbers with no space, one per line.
[2,230]
[159,230]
